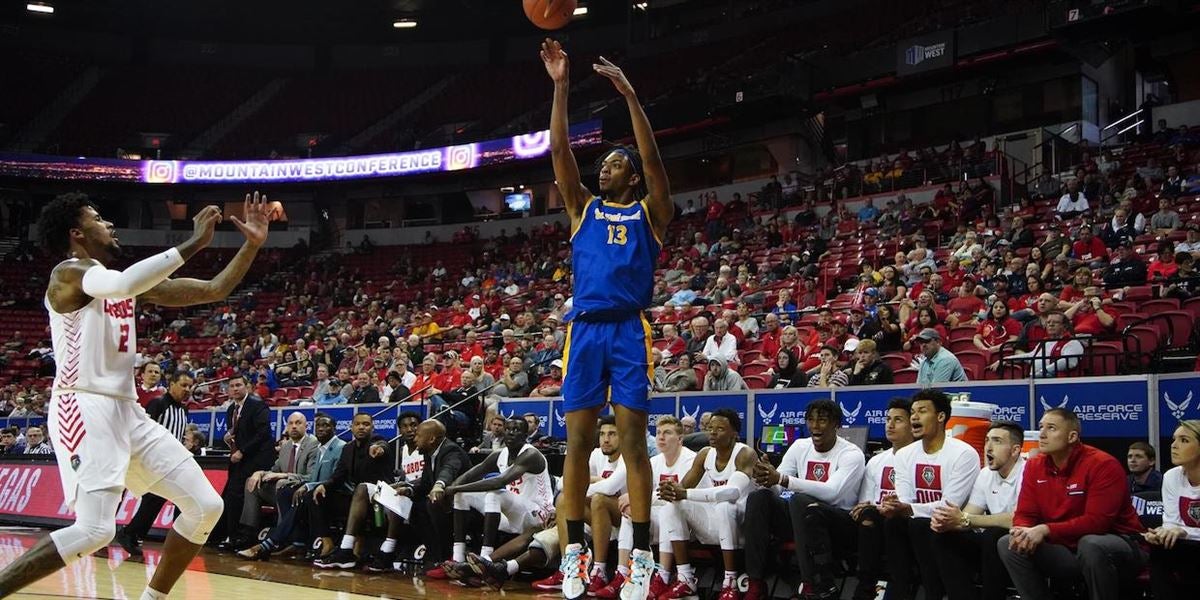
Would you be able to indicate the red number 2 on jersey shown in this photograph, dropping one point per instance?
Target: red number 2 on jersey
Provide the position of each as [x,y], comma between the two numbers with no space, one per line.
[123,345]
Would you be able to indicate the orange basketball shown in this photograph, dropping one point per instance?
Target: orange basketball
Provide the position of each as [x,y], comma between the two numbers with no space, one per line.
[550,14]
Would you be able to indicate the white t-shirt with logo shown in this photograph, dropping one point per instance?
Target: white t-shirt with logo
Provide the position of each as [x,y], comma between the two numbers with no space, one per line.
[880,479]
[1181,503]
[927,481]
[611,474]
[832,477]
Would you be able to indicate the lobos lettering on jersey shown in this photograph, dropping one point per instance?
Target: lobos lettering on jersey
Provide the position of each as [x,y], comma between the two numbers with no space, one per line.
[413,468]
[668,477]
[887,483]
[1189,511]
[929,483]
[817,471]
[119,309]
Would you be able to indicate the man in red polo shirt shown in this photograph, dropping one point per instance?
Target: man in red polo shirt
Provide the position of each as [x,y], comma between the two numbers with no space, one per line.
[1074,520]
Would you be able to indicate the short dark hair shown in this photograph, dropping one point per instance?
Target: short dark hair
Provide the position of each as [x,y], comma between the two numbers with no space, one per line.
[941,402]
[408,414]
[58,218]
[177,373]
[729,415]
[1147,449]
[1015,431]
[321,415]
[900,402]
[238,376]
[605,420]
[635,160]
[826,407]
[148,363]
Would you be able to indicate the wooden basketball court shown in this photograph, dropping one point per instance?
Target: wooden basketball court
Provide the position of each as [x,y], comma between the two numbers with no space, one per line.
[225,577]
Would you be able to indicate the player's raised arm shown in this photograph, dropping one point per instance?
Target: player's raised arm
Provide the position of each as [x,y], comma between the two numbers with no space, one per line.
[188,292]
[659,196]
[566,170]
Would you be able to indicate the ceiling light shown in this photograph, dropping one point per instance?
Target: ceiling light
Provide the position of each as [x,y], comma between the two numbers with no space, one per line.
[580,11]
[39,7]
[641,5]
[404,24]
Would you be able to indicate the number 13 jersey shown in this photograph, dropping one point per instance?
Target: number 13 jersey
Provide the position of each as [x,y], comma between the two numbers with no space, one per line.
[613,255]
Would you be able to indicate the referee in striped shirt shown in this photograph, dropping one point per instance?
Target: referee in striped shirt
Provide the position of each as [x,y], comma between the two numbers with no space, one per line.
[169,411]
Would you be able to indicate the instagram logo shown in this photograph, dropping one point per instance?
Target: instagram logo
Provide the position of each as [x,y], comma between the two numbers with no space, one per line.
[161,171]
[461,157]
[531,144]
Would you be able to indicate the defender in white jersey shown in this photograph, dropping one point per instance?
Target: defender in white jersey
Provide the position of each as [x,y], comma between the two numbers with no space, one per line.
[873,537]
[410,465]
[517,500]
[806,500]
[103,439]
[711,514]
[930,473]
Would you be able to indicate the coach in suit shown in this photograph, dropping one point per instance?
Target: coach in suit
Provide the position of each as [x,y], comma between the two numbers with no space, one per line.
[248,435]
[444,462]
[297,456]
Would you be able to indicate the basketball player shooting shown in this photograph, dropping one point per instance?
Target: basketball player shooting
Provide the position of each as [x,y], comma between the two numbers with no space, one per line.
[103,440]
[615,239]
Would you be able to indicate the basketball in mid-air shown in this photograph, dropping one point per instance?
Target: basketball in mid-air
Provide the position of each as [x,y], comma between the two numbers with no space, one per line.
[275,211]
[550,14]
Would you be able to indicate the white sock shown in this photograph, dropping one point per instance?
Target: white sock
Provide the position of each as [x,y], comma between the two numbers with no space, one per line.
[686,573]
[347,542]
[486,551]
[730,578]
[599,568]
[389,545]
[665,575]
[513,567]
[460,551]
[152,594]
[623,570]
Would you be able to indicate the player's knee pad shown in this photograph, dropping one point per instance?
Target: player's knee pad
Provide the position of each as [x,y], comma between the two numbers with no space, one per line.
[199,513]
[94,525]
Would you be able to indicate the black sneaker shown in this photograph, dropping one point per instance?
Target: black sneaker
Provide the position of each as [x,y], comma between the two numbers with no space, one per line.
[128,543]
[338,559]
[382,562]
[493,573]
[457,571]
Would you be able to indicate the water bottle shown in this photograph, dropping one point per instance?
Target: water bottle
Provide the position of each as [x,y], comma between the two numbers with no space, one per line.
[379,518]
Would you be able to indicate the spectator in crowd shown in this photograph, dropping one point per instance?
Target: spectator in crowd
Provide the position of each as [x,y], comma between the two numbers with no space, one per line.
[1185,283]
[673,345]
[939,365]
[967,535]
[1191,244]
[8,441]
[1159,271]
[1175,546]
[514,381]
[333,394]
[683,378]
[248,437]
[1073,203]
[151,386]
[493,436]
[1045,186]
[721,344]
[827,372]
[824,473]
[1089,248]
[1172,186]
[937,471]
[1055,354]
[36,442]
[1143,473]
[551,384]
[699,337]
[867,368]
[364,392]
[1087,316]
[784,373]
[720,377]
[997,329]
[1126,268]
[1165,220]
[1074,521]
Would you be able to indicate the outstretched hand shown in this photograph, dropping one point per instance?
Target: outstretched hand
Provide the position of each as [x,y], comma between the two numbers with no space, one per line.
[615,75]
[258,218]
[555,61]
[204,224]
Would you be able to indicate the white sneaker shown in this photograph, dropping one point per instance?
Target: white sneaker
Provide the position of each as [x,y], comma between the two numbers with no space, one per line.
[576,562]
[641,572]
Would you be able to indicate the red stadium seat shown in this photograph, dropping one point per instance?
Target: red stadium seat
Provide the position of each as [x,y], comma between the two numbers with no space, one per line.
[906,375]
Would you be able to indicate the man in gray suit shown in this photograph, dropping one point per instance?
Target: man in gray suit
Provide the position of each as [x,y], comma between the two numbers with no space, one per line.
[297,457]
[285,537]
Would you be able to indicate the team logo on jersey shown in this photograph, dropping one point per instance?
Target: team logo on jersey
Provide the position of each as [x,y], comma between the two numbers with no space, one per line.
[1190,511]
[668,477]
[929,483]
[928,475]
[889,478]
[75,460]
[817,471]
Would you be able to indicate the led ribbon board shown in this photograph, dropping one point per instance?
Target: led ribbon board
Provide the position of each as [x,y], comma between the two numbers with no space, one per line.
[399,164]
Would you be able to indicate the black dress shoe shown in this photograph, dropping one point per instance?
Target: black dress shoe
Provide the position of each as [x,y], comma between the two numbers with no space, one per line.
[255,552]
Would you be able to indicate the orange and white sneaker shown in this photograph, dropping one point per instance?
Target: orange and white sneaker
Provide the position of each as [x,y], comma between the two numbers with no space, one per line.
[576,562]
[641,576]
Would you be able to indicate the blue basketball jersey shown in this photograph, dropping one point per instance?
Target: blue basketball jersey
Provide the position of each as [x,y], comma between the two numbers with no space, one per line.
[613,255]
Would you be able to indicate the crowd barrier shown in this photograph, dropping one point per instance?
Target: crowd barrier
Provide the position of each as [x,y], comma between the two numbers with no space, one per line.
[1136,406]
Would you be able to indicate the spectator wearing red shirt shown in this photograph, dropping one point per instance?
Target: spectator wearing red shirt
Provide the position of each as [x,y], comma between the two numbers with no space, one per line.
[674,346]
[1089,248]
[151,386]
[770,335]
[966,305]
[428,382]
[472,348]
[1074,518]
[953,277]
[1162,269]
[925,318]
[808,295]
[1088,316]
[997,329]
[1074,291]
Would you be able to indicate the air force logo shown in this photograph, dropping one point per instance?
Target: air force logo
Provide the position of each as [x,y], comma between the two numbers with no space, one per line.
[767,415]
[1046,405]
[850,415]
[695,414]
[560,419]
[1177,410]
